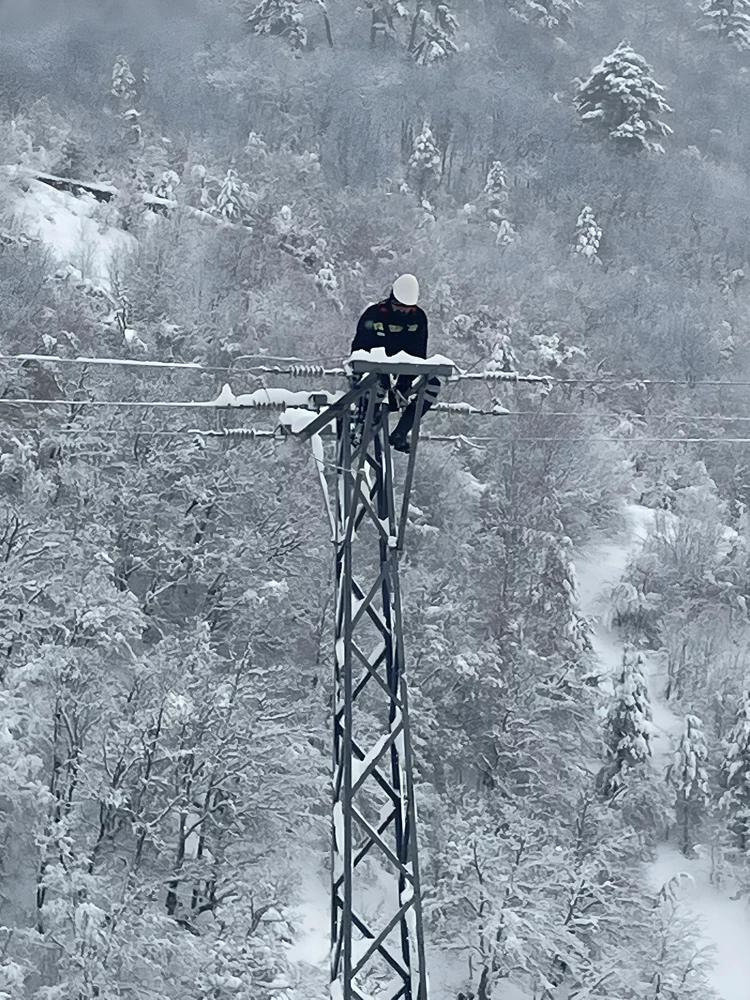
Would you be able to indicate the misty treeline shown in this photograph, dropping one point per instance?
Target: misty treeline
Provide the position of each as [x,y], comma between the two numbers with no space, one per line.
[569,181]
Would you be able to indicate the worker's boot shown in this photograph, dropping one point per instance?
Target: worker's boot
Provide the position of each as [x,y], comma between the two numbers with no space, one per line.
[400,441]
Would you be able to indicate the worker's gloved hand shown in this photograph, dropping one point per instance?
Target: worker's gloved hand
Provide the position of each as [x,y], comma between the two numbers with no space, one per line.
[404,385]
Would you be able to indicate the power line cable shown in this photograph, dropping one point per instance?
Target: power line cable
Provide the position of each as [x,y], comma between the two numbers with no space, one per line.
[629,440]
[300,367]
[134,403]
[130,434]
[511,377]
[252,432]
[466,409]
[452,409]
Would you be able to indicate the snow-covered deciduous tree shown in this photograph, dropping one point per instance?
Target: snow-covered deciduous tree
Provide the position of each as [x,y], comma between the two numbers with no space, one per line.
[627,731]
[551,353]
[425,163]
[491,334]
[588,235]
[385,15]
[299,241]
[167,185]
[730,19]
[505,232]
[688,775]
[676,962]
[492,862]
[255,147]
[735,777]
[434,34]
[327,282]
[548,13]
[622,98]
[133,128]
[279,17]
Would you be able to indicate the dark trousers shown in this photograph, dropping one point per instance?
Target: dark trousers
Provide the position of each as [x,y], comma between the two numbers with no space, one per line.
[409,415]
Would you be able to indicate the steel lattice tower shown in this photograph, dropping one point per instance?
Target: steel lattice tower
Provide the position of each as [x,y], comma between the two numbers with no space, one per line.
[374,815]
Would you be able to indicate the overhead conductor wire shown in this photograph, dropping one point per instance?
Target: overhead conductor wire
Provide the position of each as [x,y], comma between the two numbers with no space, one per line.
[301,367]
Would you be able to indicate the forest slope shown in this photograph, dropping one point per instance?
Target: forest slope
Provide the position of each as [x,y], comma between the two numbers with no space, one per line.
[164,596]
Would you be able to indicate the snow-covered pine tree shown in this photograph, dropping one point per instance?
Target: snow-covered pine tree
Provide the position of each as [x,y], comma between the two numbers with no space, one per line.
[622,97]
[279,17]
[496,195]
[735,776]
[553,600]
[496,184]
[730,19]
[433,35]
[123,82]
[229,198]
[689,777]
[72,158]
[233,199]
[588,234]
[627,729]
[425,163]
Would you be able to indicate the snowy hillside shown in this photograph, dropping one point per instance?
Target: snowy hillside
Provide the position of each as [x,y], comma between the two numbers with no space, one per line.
[722,912]
[568,183]
[68,225]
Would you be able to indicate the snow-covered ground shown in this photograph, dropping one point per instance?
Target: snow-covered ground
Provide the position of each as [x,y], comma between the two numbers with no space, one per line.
[724,921]
[66,224]
[448,975]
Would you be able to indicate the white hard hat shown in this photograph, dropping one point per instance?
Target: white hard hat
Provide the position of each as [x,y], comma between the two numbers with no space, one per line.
[406,290]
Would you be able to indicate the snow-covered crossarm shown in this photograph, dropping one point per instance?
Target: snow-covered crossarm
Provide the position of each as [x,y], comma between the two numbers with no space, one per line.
[376,360]
[275,399]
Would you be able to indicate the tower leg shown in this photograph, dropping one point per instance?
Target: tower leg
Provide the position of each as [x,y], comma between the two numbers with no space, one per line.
[377,938]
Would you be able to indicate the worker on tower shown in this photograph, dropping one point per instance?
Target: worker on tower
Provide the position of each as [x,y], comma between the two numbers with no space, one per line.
[398,324]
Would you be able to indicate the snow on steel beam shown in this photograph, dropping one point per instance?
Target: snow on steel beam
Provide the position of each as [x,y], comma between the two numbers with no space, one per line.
[376,360]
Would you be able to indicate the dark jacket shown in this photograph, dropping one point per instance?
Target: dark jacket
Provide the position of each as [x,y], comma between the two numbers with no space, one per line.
[380,325]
